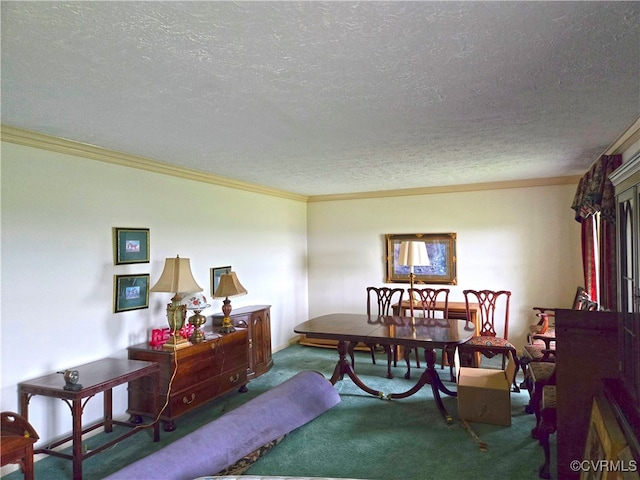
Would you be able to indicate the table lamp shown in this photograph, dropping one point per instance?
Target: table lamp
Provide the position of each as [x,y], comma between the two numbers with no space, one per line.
[196,302]
[229,287]
[413,253]
[176,277]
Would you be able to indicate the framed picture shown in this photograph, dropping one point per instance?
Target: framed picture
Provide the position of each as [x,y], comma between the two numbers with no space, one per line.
[441,249]
[131,245]
[215,277]
[605,439]
[131,292]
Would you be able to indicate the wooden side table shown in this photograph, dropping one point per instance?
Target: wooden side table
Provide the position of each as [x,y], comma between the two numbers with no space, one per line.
[95,377]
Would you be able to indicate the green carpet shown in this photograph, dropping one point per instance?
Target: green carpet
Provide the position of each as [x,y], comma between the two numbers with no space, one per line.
[362,437]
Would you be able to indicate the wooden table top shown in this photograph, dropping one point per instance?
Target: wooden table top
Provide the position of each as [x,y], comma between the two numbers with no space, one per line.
[94,377]
[389,330]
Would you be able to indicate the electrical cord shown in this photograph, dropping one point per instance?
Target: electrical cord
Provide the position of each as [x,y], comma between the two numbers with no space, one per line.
[214,346]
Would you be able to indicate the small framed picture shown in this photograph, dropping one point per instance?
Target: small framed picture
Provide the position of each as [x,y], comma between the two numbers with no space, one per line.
[215,277]
[131,245]
[131,292]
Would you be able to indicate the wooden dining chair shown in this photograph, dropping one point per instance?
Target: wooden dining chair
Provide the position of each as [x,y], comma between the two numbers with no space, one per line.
[380,301]
[540,348]
[542,335]
[493,316]
[425,307]
[545,325]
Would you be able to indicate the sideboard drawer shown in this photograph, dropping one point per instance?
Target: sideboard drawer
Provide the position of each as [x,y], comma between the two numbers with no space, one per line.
[232,380]
[196,396]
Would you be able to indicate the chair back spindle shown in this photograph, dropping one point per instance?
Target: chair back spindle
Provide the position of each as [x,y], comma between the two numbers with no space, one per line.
[490,304]
[428,299]
[381,300]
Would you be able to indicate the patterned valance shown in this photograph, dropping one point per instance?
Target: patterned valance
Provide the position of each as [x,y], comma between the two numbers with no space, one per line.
[595,191]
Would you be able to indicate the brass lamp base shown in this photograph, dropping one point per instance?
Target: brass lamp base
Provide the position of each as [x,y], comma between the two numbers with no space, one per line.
[197,321]
[227,326]
[176,313]
[176,342]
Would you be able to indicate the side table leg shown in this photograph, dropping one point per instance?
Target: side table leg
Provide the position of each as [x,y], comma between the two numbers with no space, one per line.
[24,405]
[108,410]
[76,413]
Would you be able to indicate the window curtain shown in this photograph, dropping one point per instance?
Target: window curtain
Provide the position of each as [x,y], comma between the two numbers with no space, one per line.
[596,195]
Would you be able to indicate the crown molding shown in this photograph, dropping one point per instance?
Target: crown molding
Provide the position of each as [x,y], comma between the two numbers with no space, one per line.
[78,149]
[70,147]
[535,182]
[630,136]
[625,172]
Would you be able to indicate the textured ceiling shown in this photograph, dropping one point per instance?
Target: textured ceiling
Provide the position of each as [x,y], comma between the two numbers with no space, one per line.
[338,97]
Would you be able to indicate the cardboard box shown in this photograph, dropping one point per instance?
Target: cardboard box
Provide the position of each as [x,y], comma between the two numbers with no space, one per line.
[484,394]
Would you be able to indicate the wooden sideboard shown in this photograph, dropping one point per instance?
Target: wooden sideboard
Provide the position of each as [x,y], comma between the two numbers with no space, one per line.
[257,320]
[203,371]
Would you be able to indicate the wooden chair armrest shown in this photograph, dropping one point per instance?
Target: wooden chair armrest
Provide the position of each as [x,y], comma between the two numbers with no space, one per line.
[545,311]
[548,355]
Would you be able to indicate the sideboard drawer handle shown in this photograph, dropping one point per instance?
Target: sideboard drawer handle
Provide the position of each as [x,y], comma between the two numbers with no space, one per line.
[186,401]
[234,378]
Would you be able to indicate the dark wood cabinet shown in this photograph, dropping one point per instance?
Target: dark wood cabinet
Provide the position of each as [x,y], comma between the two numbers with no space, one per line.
[587,353]
[625,394]
[626,180]
[257,320]
[203,371]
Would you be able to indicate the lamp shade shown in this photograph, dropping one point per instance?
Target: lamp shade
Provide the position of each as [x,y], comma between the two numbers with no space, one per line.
[176,277]
[229,286]
[413,253]
[195,301]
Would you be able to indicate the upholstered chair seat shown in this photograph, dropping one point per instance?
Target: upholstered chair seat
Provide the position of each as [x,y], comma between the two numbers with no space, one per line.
[490,341]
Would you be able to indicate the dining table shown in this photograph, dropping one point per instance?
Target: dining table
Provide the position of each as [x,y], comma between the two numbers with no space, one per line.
[391,330]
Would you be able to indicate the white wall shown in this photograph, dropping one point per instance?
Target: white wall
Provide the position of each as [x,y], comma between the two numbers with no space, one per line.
[58,212]
[523,240]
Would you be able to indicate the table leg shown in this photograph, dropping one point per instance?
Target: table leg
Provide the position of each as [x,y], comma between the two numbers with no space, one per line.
[76,413]
[430,376]
[107,398]
[155,379]
[24,405]
[389,352]
[344,367]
